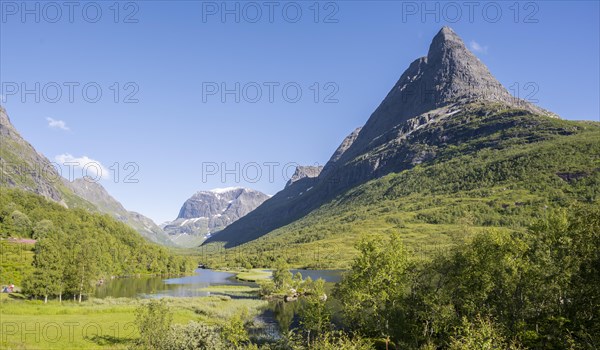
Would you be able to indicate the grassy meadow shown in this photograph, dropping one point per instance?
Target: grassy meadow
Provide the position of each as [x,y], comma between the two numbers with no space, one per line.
[104,323]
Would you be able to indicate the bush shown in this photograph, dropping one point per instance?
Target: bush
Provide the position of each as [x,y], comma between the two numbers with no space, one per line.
[154,323]
[481,334]
[194,336]
[341,341]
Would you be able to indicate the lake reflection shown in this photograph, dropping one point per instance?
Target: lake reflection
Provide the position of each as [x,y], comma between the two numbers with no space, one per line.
[188,286]
[158,287]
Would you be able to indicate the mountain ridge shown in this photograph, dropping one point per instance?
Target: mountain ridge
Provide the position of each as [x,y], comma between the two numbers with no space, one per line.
[23,167]
[96,194]
[432,89]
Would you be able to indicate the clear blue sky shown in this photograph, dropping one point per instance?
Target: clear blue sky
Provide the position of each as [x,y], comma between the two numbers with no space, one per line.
[176,47]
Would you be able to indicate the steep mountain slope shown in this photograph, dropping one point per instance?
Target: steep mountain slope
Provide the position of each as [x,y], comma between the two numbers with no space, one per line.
[96,194]
[495,168]
[22,167]
[448,85]
[207,212]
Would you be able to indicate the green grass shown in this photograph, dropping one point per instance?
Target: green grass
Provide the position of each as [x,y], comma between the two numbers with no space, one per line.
[101,323]
[253,275]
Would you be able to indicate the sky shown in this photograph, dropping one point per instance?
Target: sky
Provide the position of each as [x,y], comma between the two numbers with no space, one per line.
[166,98]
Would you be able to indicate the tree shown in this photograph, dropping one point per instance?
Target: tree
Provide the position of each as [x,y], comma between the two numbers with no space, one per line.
[282,277]
[315,317]
[371,293]
[47,276]
[234,331]
[42,229]
[153,320]
[584,309]
[297,280]
[83,268]
[21,223]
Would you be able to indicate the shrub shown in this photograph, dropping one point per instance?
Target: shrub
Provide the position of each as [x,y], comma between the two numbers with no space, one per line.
[194,336]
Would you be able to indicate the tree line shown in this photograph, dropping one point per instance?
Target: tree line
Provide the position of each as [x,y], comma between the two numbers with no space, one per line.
[75,249]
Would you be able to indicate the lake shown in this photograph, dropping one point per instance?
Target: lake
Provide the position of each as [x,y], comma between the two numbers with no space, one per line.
[188,286]
[277,318]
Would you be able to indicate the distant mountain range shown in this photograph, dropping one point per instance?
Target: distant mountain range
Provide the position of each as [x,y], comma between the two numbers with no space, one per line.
[204,213]
[207,212]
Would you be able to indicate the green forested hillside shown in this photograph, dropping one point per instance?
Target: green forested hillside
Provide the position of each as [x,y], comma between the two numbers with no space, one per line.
[75,248]
[489,167]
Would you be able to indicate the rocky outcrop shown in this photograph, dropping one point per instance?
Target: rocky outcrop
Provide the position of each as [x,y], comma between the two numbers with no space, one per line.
[304,171]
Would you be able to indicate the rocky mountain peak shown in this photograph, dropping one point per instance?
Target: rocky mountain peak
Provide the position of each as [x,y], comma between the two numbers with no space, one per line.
[449,75]
[456,75]
[206,204]
[444,41]
[208,212]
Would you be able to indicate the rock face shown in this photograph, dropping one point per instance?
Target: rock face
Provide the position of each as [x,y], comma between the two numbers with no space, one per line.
[432,89]
[21,166]
[304,172]
[342,148]
[207,212]
[97,195]
[450,74]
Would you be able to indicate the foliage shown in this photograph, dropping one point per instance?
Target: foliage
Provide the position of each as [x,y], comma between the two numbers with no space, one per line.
[282,277]
[341,341]
[75,248]
[154,323]
[194,336]
[537,289]
[371,293]
[479,335]
[315,317]
[234,331]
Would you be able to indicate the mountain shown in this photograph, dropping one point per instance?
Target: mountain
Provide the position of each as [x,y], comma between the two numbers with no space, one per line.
[445,106]
[207,212]
[94,193]
[22,167]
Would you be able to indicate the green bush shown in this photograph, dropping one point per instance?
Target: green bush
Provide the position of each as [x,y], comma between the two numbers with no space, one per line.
[194,336]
